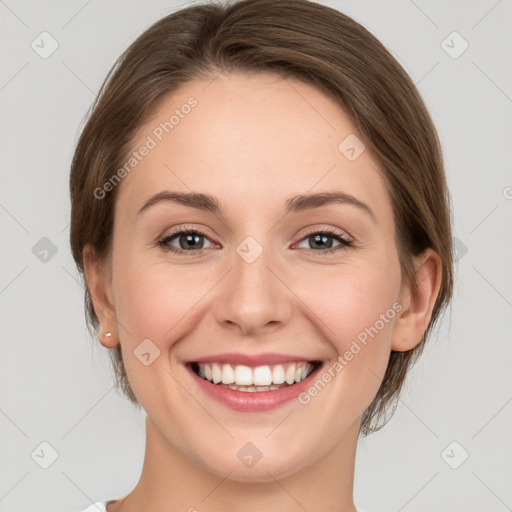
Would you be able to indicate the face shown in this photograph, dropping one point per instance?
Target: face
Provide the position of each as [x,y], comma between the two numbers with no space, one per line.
[262,283]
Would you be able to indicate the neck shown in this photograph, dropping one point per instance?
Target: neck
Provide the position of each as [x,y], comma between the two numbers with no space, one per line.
[172,481]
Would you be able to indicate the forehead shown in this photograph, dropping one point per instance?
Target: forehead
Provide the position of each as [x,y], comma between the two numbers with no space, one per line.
[250,137]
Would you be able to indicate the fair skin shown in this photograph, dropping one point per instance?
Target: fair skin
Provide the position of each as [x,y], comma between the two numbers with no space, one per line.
[252,142]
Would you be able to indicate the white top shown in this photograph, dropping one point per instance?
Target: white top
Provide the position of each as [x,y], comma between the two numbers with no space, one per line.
[101,506]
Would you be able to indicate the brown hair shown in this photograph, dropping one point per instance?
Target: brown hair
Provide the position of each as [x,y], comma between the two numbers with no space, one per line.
[298,39]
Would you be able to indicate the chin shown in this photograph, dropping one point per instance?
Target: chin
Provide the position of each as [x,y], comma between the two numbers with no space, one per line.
[261,472]
[246,463]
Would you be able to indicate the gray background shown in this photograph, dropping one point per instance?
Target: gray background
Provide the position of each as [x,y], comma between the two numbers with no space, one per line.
[56,383]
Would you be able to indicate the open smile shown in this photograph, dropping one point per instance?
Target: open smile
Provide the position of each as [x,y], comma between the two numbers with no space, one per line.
[251,388]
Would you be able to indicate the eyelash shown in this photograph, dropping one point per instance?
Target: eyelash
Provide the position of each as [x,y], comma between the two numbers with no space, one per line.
[344,242]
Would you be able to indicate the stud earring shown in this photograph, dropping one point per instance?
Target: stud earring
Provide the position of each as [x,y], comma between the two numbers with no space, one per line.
[105,337]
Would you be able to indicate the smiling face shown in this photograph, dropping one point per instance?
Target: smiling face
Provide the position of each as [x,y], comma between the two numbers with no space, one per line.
[255,278]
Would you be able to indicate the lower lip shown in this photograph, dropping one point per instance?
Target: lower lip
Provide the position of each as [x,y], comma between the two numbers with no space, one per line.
[257,401]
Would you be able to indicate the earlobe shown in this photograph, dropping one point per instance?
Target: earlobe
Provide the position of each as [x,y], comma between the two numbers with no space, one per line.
[96,277]
[418,302]
[107,339]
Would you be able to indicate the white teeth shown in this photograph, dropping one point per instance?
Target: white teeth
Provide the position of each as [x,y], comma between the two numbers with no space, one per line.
[290,374]
[260,378]
[278,374]
[243,375]
[250,389]
[216,373]
[228,374]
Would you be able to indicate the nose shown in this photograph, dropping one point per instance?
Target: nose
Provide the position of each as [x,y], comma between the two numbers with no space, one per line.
[253,298]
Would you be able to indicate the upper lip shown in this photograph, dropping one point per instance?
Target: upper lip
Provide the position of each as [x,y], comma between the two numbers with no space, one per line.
[252,360]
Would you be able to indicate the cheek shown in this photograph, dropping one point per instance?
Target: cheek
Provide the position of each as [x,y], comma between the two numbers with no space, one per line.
[154,301]
[357,307]
[353,300]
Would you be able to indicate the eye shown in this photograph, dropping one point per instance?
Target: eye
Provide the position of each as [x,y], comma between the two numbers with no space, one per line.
[192,240]
[323,240]
[189,240]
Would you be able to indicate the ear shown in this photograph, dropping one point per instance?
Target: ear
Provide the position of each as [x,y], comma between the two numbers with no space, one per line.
[97,277]
[417,302]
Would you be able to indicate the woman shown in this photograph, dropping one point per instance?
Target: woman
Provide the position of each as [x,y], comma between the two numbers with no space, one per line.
[260,212]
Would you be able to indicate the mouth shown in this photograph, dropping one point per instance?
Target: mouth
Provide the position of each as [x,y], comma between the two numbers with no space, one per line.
[255,379]
[253,388]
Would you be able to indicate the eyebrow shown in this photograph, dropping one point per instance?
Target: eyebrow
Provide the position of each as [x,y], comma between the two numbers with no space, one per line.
[299,203]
